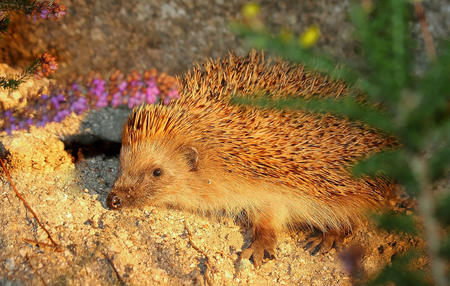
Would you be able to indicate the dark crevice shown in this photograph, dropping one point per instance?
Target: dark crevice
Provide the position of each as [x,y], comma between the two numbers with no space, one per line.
[88,146]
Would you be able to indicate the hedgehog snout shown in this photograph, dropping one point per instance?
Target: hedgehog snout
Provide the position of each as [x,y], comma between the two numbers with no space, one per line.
[113,201]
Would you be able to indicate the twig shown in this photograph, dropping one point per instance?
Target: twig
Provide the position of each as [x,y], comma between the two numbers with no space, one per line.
[121,282]
[55,245]
[43,244]
[224,254]
[194,246]
[427,38]
[27,259]
[6,196]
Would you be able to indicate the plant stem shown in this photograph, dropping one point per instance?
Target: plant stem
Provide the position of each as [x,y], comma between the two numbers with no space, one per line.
[55,245]
[428,39]
[419,165]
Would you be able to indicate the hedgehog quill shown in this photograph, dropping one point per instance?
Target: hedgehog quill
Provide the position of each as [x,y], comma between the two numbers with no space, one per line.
[281,168]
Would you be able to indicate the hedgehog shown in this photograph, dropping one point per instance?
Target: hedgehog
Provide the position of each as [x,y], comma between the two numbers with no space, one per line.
[279,168]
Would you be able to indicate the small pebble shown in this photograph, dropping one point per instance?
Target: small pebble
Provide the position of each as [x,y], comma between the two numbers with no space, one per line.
[23,252]
[244,265]
[227,275]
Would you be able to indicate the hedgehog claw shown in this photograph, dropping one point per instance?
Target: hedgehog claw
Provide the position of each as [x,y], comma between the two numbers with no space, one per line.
[257,252]
[270,253]
[322,243]
[313,245]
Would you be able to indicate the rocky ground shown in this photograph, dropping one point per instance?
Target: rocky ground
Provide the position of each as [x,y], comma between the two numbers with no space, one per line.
[67,184]
[138,247]
[150,246]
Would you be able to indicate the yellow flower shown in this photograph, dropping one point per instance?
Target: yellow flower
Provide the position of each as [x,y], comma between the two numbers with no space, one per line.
[250,10]
[309,37]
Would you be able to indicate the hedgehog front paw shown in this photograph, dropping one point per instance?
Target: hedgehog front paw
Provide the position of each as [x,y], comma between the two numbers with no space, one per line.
[257,251]
[264,240]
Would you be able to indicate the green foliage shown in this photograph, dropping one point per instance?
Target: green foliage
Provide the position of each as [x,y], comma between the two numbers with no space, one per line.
[4,24]
[25,6]
[392,163]
[445,248]
[9,83]
[395,222]
[396,273]
[386,46]
[33,10]
[439,162]
[348,107]
[443,209]
[292,50]
[8,6]
[14,82]
[398,100]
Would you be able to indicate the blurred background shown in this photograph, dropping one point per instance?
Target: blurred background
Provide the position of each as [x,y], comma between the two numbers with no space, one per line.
[171,35]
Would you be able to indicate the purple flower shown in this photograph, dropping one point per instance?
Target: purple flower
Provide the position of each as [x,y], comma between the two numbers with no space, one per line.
[75,87]
[98,82]
[151,94]
[55,102]
[102,100]
[131,102]
[101,103]
[9,115]
[26,123]
[22,125]
[79,106]
[99,91]
[60,97]
[60,13]
[60,115]
[151,82]
[116,99]
[43,121]
[59,103]
[122,86]
[98,87]
[173,94]
[136,99]
[134,83]
[44,13]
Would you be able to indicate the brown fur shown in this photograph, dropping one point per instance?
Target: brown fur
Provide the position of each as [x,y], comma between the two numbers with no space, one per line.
[280,167]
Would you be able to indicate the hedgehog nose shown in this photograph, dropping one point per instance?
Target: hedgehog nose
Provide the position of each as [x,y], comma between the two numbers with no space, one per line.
[114,202]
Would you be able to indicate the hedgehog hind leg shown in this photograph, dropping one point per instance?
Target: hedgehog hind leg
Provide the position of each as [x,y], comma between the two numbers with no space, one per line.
[263,242]
[322,242]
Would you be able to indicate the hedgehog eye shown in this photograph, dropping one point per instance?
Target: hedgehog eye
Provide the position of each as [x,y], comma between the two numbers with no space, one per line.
[157,172]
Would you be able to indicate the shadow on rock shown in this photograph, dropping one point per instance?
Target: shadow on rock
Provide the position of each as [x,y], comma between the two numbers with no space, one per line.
[95,150]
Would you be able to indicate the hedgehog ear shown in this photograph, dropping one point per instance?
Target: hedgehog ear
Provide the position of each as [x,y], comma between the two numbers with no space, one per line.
[191,155]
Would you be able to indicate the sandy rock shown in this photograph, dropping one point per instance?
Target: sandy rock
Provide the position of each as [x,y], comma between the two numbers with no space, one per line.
[37,152]
[18,98]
